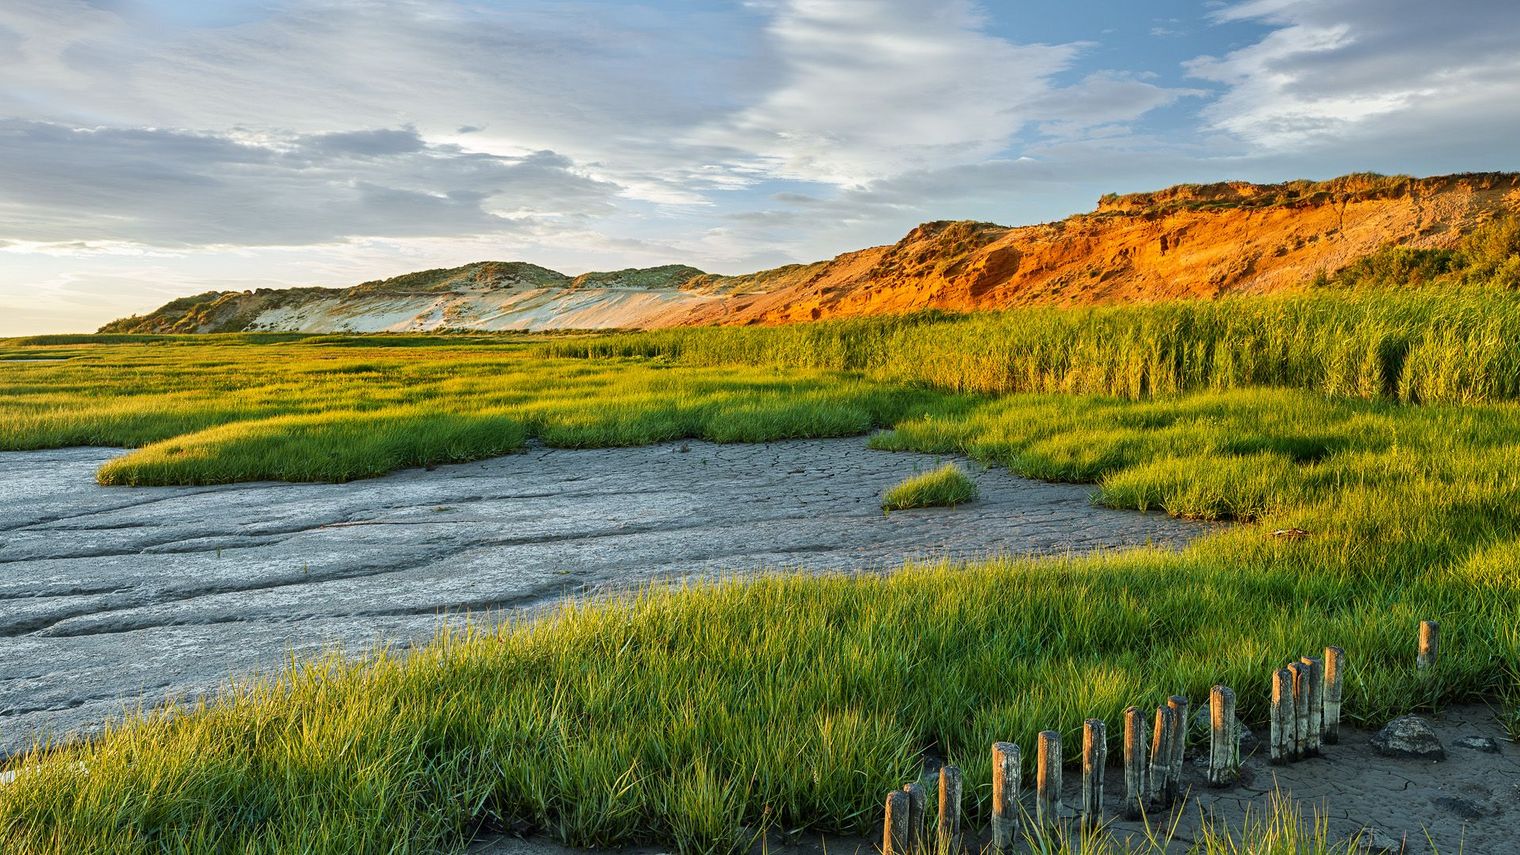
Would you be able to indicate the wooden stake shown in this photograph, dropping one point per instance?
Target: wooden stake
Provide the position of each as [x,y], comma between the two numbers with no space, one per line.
[1135,738]
[1300,674]
[1224,741]
[1430,644]
[949,808]
[918,805]
[1316,693]
[1048,779]
[1005,795]
[1161,755]
[1094,758]
[1335,669]
[1179,707]
[894,832]
[1282,716]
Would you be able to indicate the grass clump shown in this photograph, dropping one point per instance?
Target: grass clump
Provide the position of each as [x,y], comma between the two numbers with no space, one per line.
[944,487]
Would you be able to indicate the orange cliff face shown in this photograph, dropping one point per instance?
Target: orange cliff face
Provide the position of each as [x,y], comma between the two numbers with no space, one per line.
[1189,241]
[1197,241]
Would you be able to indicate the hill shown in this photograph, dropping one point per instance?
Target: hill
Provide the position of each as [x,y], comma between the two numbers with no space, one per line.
[1192,240]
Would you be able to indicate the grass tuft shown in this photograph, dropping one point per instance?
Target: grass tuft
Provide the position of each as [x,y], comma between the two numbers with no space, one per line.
[944,487]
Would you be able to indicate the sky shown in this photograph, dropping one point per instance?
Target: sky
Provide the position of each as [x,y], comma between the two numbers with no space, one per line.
[151,149]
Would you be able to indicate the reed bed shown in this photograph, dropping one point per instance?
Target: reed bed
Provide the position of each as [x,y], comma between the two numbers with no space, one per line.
[1422,346]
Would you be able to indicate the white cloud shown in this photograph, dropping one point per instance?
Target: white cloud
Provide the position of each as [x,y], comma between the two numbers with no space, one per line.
[176,188]
[873,88]
[1405,74]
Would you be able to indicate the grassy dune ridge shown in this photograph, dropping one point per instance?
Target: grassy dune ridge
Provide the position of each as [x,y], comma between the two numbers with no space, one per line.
[692,718]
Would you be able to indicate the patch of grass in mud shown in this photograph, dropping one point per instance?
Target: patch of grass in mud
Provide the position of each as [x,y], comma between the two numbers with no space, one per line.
[944,487]
[693,717]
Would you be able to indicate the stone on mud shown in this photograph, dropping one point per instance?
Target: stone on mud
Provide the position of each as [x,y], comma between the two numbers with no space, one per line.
[1409,736]
[1486,744]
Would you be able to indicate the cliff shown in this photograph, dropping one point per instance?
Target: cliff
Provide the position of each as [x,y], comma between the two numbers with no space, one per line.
[1189,241]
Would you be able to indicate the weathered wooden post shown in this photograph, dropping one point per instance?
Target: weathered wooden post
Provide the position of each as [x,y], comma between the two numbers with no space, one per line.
[949,808]
[1161,755]
[1316,693]
[1135,738]
[1282,716]
[1005,795]
[1335,669]
[895,828]
[918,805]
[1430,644]
[1047,803]
[1179,707]
[1300,673]
[1094,758]
[1224,742]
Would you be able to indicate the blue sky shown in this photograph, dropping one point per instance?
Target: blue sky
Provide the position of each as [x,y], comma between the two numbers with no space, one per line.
[154,149]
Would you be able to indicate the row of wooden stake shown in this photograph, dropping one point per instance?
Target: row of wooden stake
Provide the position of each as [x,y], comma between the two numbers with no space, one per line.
[1305,713]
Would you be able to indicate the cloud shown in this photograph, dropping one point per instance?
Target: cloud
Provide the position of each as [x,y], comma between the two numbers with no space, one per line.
[1407,74]
[178,188]
[872,88]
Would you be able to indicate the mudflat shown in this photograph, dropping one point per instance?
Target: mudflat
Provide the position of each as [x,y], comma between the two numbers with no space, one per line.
[118,596]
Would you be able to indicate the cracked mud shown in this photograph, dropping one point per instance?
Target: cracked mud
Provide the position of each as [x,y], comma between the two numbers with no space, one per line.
[115,596]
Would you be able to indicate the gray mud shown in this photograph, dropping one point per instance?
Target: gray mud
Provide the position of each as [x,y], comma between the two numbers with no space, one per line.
[114,596]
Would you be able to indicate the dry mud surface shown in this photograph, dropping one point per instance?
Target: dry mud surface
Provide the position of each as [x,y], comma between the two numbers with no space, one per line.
[1468,803]
[114,596]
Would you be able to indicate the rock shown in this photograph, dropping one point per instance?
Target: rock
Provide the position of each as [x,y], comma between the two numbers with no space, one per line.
[1375,841]
[1486,744]
[1409,736]
[1465,808]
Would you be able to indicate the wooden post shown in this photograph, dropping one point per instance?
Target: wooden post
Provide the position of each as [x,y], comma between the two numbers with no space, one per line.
[1300,674]
[1316,693]
[1005,795]
[1335,675]
[949,808]
[895,829]
[1047,803]
[1282,716]
[918,805]
[1430,644]
[1179,707]
[1135,738]
[1161,755]
[1094,758]
[1224,741]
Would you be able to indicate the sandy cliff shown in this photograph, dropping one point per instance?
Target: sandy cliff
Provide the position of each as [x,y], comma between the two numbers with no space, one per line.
[1187,241]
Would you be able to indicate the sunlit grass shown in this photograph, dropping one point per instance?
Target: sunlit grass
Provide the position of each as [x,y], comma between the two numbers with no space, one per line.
[946,486]
[1414,344]
[692,718]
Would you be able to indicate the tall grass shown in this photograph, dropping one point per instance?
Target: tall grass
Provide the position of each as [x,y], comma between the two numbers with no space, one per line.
[1419,346]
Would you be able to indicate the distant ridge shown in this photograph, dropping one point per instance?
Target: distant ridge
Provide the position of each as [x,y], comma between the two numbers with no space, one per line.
[1187,241]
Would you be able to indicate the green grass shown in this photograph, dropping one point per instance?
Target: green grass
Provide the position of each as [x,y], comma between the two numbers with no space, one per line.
[692,718]
[944,487]
[234,408]
[1426,345]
